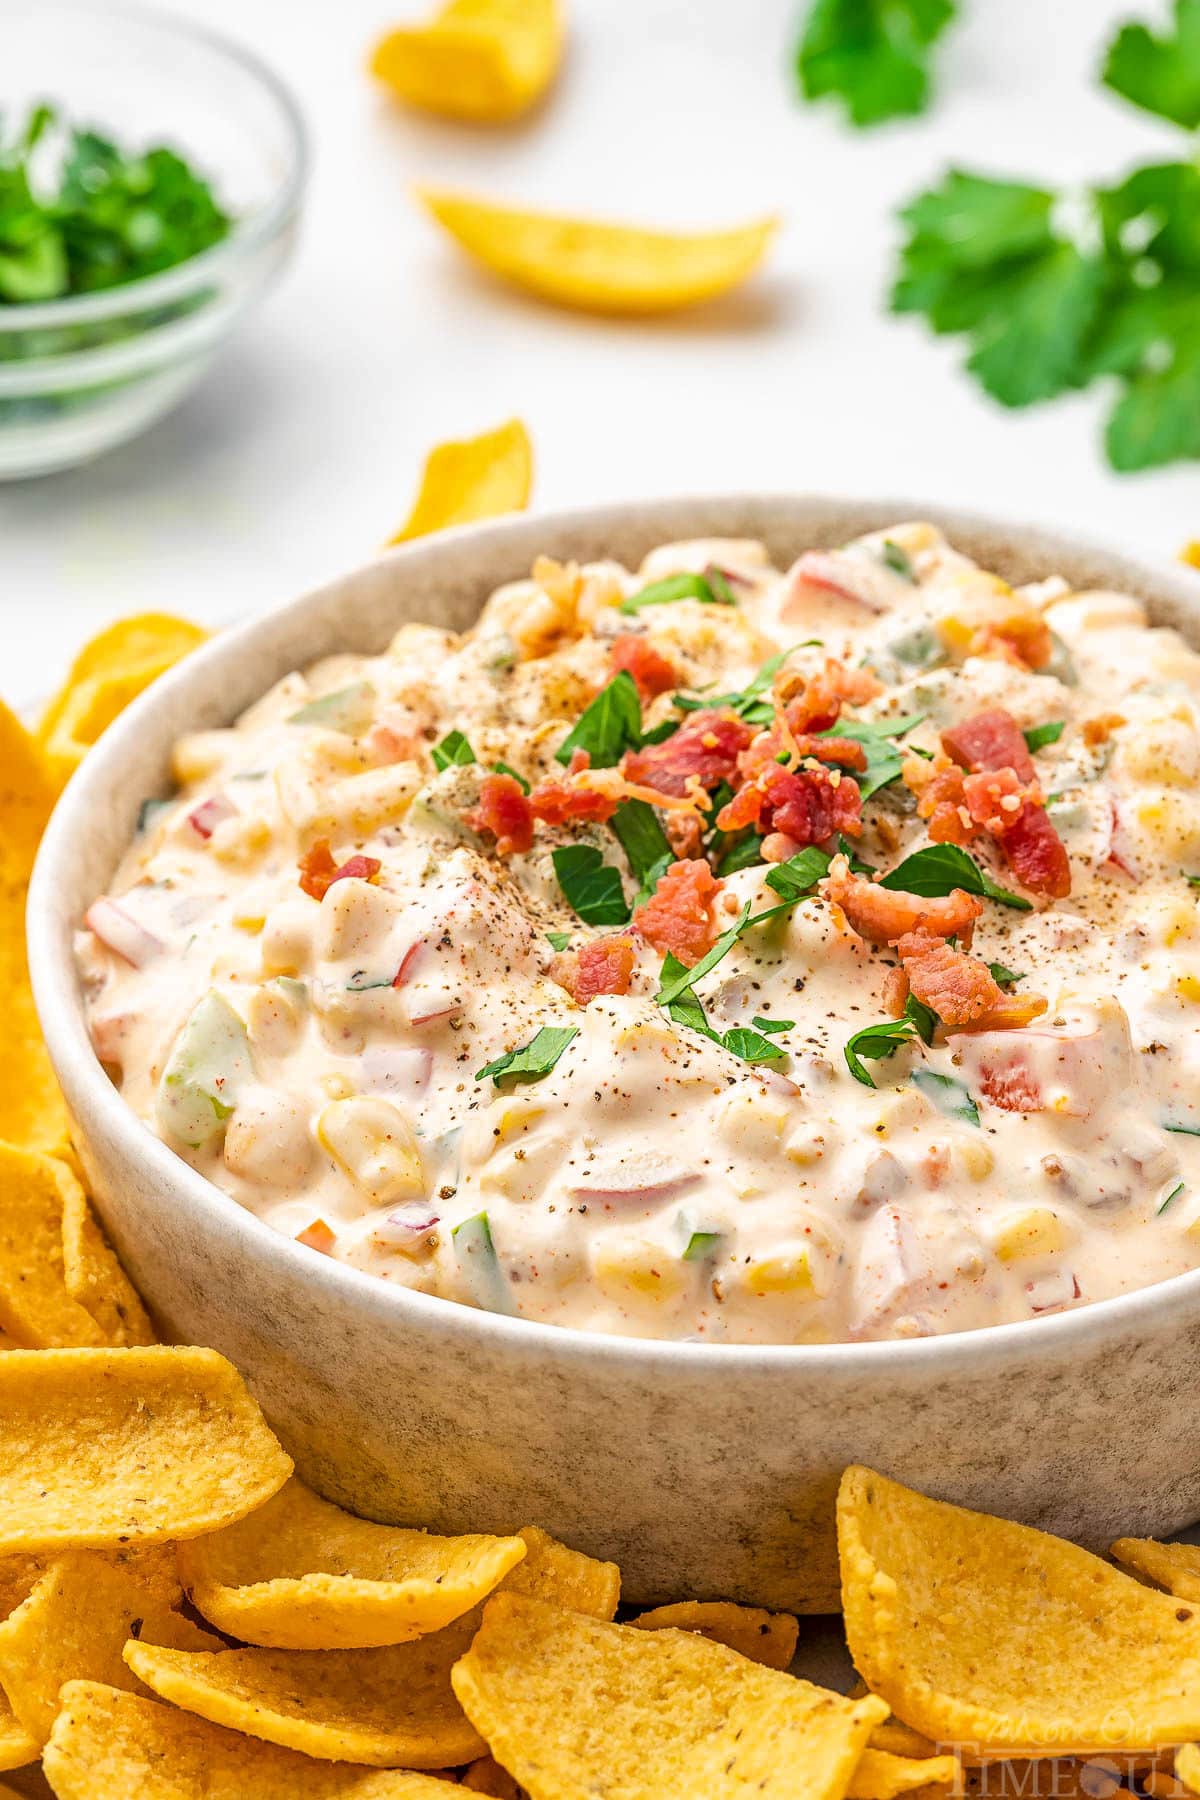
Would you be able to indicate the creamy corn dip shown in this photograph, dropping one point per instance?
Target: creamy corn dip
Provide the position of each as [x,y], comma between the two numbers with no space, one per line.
[705,952]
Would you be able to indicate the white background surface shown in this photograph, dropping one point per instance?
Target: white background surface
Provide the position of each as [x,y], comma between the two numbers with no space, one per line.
[301,450]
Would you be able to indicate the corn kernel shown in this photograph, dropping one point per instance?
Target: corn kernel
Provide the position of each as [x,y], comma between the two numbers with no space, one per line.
[1035,1232]
[788,1272]
[806,1145]
[199,755]
[1164,750]
[632,1264]
[1188,987]
[1172,822]
[239,841]
[751,1124]
[978,1160]
[376,1146]
[338,1087]
[514,1117]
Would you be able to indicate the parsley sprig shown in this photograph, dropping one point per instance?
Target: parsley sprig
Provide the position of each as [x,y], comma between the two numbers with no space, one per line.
[1056,291]
[873,55]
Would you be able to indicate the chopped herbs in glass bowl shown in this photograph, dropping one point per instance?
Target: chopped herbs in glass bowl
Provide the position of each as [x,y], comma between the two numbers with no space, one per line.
[150,180]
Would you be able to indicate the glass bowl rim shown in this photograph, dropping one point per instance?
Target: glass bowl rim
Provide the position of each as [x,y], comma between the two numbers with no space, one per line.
[260,226]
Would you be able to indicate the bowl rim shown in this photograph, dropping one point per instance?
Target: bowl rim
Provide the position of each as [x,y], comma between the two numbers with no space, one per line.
[88,1088]
[248,235]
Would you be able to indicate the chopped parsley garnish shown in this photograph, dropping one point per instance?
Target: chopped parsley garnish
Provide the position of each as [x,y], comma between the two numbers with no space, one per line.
[1038,736]
[854,861]
[608,727]
[1173,1195]
[884,761]
[503,768]
[951,1096]
[752,1046]
[711,589]
[641,836]
[558,940]
[454,752]
[940,868]
[875,1042]
[535,1059]
[772,1025]
[688,1010]
[923,1017]
[748,702]
[1160,74]
[1006,979]
[796,878]
[651,879]
[677,979]
[1192,880]
[873,55]
[744,853]
[592,886]
[898,560]
[106,216]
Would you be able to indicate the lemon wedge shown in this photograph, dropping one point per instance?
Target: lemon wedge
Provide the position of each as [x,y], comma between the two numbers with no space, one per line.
[487,61]
[596,266]
[474,478]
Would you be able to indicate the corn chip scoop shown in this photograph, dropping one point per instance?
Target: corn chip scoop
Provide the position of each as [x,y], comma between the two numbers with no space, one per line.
[37,1309]
[1003,1640]
[471,478]
[552,1571]
[483,61]
[1172,1567]
[878,1775]
[75,1623]
[301,1574]
[765,1637]
[94,1277]
[102,1448]
[390,1708]
[594,265]
[571,1705]
[111,1745]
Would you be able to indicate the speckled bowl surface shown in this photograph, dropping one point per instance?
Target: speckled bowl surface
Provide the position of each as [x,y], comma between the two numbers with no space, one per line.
[704,1470]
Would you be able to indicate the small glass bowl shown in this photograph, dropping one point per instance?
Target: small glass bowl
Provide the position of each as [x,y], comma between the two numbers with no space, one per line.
[81,374]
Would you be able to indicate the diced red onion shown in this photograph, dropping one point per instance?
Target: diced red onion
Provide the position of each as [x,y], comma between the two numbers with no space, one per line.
[1120,848]
[407,1224]
[205,818]
[121,932]
[1049,1292]
[404,972]
[851,577]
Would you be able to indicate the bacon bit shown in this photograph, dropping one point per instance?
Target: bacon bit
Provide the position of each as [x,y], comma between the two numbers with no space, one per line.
[318,871]
[991,739]
[1098,730]
[884,915]
[895,992]
[1022,639]
[394,738]
[684,834]
[317,1236]
[820,699]
[555,801]
[705,749]
[678,916]
[994,798]
[604,967]
[807,804]
[505,811]
[652,672]
[959,988]
[938,786]
[1036,854]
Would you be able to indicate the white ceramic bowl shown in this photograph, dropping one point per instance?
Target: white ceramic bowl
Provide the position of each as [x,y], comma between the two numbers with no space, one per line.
[705,1470]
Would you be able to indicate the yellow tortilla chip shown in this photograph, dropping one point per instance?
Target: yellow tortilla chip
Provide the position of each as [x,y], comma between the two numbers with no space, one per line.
[16,1746]
[900,1740]
[549,1571]
[488,61]
[939,1620]
[765,1637]
[31,1107]
[487,1777]
[36,1308]
[1190,554]
[75,1624]
[110,671]
[880,1776]
[595,265]
[109,1745]
[96,1279]
[571,1705]
[472,478]
[390,1708]
[301,1574]
[1175,1567]
[1187,1757]
[100,1448]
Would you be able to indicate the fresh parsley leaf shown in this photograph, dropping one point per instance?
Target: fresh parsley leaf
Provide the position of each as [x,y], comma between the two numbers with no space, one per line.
[503,768]
[1192,880]
[923,1017]
[1005,979]
[876,1042]
[608,727]
[898,560]
[1160,74]
[772,1025]
[688,1010]
[675,981]
[798,876]
[454,752]
[1038,736]
[711,589]
[874,55]
[642,837]
[884,760]
[752,1046]
[748,702]
[744,853]
[951,1096]
[558,940]
[1173,1195]
[940,868]
[855,862]
[592,886]
[536,1059]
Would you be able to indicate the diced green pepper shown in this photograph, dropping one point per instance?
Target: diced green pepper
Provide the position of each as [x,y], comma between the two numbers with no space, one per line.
[207,1067]
[349,709]
[480,1266]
